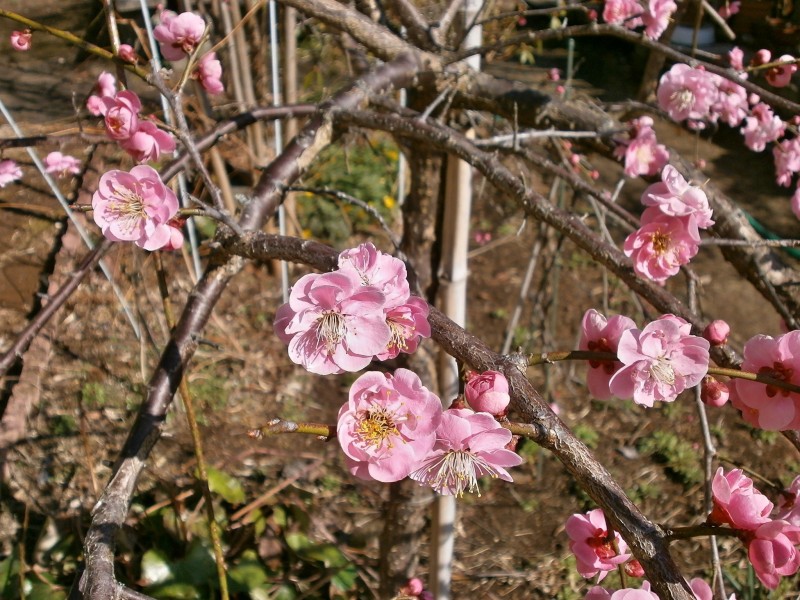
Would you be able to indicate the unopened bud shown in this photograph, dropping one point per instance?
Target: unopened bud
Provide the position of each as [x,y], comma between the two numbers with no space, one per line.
[717,332]
[633,568]
[713,392]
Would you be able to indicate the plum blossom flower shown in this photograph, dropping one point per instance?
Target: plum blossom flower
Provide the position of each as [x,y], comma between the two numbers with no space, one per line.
[768,406]
[727,10]
[737,502]
[731,105]
[675,197]
[786,155]
[772,552]
[106,86]
[388,425]
[662,244]
[781,75]
[121,114]
[408,324]
[148,142]
[661,361]
[736,58]
[762,127]
[597,592]
[21,40]
[179,34]
[595,550]
[209,73]
[643,154]
[622,12]
[789,504]
[599,334]
[9,172]
[61,164]
[642,593]
[687,93]
[135,207]
[332,323]
[468,445]
[487,392]
[175,235]
[656,17]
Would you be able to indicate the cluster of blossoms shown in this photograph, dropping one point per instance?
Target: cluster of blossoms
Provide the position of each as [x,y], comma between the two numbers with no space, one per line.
[393,427]
[768,406]
[140,138]
[654,15]
[771,543]
[656,363]
[669,235]
[338,322]
[9,172]
[698,97]
[137,207]
[178,36]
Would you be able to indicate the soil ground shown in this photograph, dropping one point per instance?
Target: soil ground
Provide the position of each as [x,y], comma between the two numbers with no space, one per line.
[89,373]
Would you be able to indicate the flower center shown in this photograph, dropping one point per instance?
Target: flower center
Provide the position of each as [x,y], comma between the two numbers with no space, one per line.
[682,99]
[602,543]
[331,328]
[457,471]
[376,426]
[661,242]
[662,370]
[127,208]
[777,371]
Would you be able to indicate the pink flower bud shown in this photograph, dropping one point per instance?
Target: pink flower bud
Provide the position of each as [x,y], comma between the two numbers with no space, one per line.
[592,14]
[554,74]
[128,54]
[713,392]
[21,40]
[761,57]
[634,568]
[414,587]
[717,332]
[488,392]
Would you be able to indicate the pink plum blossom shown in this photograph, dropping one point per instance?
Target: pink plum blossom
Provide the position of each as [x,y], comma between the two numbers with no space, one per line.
[714,392]
[661,361]
[121,114]
[642,593]
[768,406]
[209,73]
[727,10]
[21,40]
[61,164]
[701,589]
[789,504]
[737,502]
[597,593]
[656,17]
[595,550]
[643,154]
[717,332]
[623,12]
[179,34]
[127,53]
[762,127]
[687,93]
[786,155]
[662,244]
[9,172]
[135,207]
[408,324]
[332,323]
[487,392]
[674,196]
[148,142]
[388,425]
[781,75]
[469,445]
[731,106]
[175,235]
[599,334]
[736,58]
[106,86]
[554,74]
[378,269]
[772,552]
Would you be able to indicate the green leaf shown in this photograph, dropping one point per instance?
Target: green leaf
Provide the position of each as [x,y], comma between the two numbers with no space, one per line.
[346,578]
[226,486]
[41,591]
[175,591]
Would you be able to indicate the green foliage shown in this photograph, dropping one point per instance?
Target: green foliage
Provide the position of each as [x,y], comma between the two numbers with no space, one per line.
[225,485]
[94,395]
[587,434]
[679,457]
[366,170]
